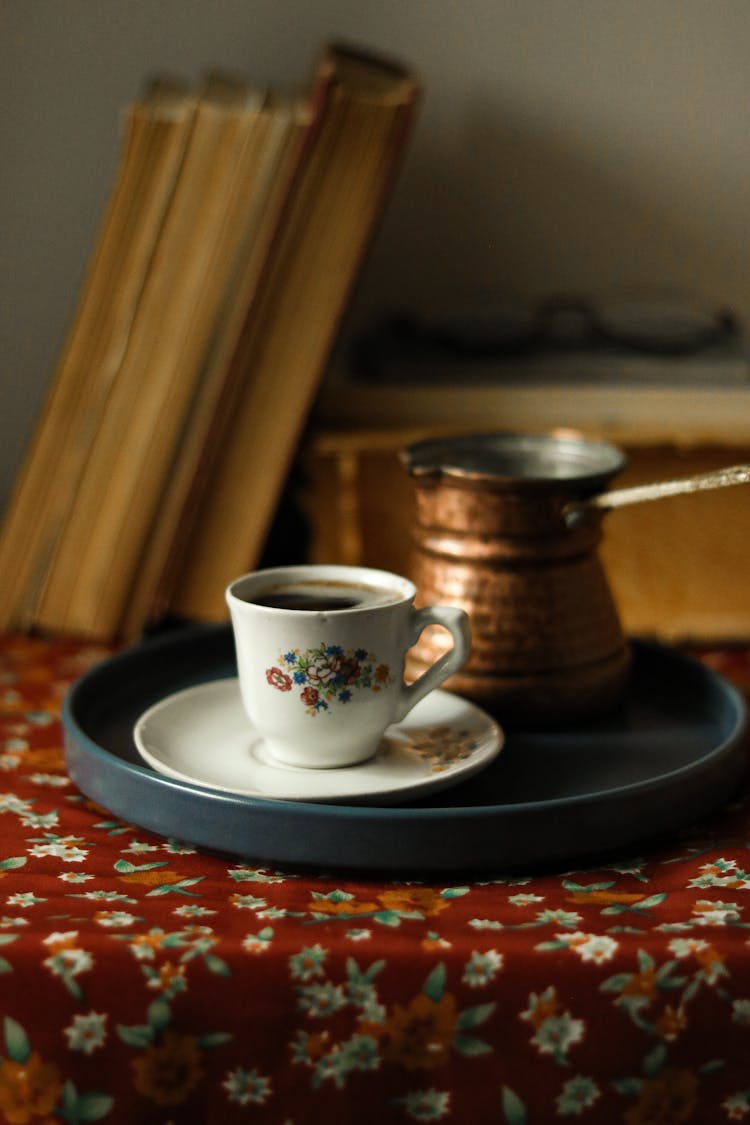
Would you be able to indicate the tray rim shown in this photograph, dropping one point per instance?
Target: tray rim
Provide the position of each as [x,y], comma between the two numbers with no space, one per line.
[738,729]
[421,841]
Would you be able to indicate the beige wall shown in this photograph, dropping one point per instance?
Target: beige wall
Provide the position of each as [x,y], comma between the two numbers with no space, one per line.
[563,145]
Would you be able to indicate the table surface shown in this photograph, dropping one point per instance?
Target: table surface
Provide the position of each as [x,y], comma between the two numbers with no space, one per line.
[144,981]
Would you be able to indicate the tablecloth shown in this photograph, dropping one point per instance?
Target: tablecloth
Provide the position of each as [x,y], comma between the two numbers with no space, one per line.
[144,981]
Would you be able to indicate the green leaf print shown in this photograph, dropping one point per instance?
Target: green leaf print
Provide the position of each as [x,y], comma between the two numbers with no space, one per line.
[434,986]
[473,1017]
[470,1046]
[514,1110]
[69,1101]
[220,967]
[214,1039]
[159,1015]
[12,862]
[6,939]
[630,1087]
[17,1045]
[454,892]
[139,1036]
[710,1067]
[93,1107]
[357,976]
[125,867]
[655,1060]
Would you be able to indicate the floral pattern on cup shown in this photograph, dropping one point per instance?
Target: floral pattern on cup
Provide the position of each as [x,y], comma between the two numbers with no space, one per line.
[327,674]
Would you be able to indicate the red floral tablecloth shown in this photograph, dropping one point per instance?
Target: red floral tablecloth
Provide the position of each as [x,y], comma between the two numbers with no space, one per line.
[143,981]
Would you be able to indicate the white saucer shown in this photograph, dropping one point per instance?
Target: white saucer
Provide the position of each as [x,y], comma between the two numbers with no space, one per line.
[202,735]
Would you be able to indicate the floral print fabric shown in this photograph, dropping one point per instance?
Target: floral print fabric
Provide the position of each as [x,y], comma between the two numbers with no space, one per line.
[144,981]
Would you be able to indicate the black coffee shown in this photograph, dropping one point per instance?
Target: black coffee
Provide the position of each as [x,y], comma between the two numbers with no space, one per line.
[322,596]
[292,600]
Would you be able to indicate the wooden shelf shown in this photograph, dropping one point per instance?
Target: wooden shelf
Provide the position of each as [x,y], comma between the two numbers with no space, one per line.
[678,567]
[631,414]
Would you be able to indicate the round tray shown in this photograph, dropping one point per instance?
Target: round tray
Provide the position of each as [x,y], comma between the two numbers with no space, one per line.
[670,753]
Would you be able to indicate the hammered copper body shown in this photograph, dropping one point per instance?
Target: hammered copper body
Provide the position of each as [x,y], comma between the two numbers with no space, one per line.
[491,537]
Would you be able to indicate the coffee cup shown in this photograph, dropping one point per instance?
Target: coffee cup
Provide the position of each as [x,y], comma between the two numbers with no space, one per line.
[320,657]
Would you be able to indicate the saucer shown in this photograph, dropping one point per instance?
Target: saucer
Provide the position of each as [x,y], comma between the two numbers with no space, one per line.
[202,735]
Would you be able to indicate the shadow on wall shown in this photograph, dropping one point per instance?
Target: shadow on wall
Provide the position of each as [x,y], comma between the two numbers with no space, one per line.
[510,207]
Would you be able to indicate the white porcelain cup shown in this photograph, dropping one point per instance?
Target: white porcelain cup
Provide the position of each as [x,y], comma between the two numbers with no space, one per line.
[320,656]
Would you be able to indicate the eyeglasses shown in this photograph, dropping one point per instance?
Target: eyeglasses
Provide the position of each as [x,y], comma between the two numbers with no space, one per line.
[659,327]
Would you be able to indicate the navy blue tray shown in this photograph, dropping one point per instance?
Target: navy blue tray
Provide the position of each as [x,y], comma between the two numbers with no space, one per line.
[673,751]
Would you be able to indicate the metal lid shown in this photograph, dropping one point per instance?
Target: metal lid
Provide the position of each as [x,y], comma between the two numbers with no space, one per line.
[514,458]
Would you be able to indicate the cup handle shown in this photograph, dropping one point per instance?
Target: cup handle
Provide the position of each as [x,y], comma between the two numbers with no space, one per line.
[457,623]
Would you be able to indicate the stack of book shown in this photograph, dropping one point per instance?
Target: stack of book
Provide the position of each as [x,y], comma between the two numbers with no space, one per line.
[235,230]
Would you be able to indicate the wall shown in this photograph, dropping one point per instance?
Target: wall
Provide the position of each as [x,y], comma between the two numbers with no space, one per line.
[563,145]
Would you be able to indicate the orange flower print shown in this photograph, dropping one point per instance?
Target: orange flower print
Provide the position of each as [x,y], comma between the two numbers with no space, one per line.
[711,962]
[603,898]
[422,899]
[62,942]
[145,944]
[418,1036]
[317,1045]
[28,1090]
[433,942]
[47,760]
[342,906]
[641,984]
[542,1007]
[151,878]
[667,1099]
[170,977]
[167,1072]
[10,702]
[671,1022]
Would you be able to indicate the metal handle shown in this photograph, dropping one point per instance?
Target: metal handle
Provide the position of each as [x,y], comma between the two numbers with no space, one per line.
[574,513]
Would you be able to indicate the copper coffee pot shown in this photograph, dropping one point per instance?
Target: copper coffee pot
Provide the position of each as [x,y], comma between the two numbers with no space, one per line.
[508,527]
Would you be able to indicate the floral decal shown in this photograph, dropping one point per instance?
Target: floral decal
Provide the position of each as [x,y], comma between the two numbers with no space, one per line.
[327,674]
